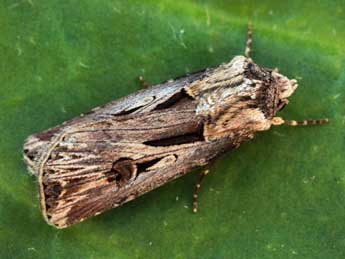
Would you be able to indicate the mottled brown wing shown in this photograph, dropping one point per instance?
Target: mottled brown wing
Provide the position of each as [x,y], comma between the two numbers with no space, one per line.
[162,96]
[117,152]
[102,164]
[133,145]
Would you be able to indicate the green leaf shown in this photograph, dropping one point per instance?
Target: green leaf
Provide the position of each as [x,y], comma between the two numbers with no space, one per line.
[281,195]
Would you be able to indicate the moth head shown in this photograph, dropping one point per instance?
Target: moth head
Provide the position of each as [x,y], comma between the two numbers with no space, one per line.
[286,87]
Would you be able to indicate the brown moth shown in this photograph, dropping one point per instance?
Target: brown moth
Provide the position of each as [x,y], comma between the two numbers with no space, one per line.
[130,146]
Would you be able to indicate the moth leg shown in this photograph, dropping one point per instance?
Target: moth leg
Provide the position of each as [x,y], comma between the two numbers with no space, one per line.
[143,83]
[281,121]
[249,40]
[197,188]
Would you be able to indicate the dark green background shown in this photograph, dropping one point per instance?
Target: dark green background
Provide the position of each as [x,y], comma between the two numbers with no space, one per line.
[281,195]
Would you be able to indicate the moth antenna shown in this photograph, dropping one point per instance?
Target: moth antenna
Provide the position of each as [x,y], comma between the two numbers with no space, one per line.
[197,188]
[249,40]
[281,121]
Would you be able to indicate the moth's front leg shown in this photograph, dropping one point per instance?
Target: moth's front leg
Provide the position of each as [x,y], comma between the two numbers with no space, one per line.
[200,179]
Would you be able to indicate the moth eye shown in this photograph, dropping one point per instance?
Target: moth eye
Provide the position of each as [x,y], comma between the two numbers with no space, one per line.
[281,105]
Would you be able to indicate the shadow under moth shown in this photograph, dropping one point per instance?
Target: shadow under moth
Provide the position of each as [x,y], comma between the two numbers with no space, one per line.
[130,146]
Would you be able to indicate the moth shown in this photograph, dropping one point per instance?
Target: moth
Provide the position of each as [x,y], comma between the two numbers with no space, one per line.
[119,151]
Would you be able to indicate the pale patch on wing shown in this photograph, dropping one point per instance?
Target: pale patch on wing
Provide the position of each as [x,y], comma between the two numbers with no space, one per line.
[225,75]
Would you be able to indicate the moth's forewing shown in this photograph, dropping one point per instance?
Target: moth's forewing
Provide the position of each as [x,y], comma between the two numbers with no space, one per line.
[131,146]
[117,152]
[158,97]
[105,163]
